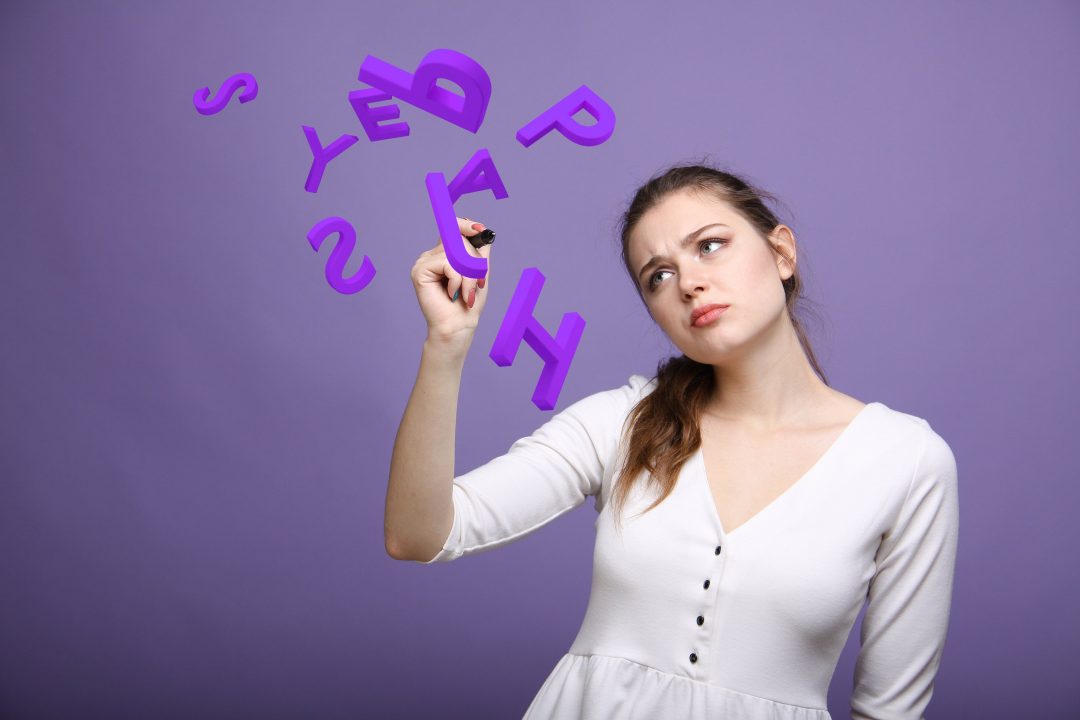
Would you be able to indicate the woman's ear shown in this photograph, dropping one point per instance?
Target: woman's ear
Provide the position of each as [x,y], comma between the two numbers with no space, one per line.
[783,243]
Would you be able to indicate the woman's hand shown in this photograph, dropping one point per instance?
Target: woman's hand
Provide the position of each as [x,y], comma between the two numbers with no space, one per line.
[436,282]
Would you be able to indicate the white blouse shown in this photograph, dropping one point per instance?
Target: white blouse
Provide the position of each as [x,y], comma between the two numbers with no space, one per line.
[686,620]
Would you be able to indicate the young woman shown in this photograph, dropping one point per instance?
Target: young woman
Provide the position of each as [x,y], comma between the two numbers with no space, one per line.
[746,509]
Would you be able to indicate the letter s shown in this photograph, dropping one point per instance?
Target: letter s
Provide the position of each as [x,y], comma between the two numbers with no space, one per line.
[234,83]
[340,254]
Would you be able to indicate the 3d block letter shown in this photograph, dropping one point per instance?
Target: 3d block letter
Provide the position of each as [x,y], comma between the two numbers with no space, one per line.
[338,257]
[370,117]
[560,116]
[320,155]
[478,174]
[519,324]
[419,89]
[234,83]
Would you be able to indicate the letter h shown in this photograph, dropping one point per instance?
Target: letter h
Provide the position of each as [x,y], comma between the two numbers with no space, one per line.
[519,324]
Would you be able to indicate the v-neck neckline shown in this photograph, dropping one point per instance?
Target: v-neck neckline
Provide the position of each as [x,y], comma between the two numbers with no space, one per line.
[829,452]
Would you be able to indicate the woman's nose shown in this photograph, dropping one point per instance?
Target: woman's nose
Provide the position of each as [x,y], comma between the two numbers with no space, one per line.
[692,279]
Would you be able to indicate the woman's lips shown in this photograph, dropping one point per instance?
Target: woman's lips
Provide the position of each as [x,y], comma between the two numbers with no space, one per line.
[710,316]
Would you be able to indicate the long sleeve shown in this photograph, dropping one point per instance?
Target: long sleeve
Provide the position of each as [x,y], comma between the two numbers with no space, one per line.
[903,630]
[541,477]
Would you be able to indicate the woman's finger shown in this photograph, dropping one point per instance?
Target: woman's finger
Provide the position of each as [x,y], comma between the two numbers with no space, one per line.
[465,226]
[484,251]
[453,279]
[469,228]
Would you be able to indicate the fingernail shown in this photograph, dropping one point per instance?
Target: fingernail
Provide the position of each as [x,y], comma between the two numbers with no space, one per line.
[478,226]
[472,297]
[458,292]
[481,282]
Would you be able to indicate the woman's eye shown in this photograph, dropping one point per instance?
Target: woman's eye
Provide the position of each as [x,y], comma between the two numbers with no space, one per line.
[652,280]
[702,244]
[710,242]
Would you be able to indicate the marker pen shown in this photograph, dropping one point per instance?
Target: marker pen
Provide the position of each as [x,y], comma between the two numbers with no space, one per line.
[482,238]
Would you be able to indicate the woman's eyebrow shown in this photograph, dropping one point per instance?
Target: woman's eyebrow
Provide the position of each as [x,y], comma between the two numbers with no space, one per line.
[657,259]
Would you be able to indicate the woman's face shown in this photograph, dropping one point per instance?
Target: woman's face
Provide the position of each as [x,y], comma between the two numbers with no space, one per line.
[727,263]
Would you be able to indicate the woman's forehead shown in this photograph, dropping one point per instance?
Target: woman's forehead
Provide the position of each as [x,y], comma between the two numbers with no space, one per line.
[676,216]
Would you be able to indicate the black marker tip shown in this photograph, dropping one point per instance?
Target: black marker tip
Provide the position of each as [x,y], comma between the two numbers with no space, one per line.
[482,238]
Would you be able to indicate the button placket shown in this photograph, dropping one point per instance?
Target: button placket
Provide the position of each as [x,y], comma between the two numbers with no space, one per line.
[701,618]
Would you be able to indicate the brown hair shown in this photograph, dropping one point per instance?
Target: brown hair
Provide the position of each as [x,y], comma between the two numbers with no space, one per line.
[664,430]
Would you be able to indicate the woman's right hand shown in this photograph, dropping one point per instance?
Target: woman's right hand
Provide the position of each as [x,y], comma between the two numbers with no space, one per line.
[435,283]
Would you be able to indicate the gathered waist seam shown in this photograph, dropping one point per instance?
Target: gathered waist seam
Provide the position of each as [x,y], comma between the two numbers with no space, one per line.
[700,682]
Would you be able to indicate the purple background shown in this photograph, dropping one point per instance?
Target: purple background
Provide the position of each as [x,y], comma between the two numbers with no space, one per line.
[197,429]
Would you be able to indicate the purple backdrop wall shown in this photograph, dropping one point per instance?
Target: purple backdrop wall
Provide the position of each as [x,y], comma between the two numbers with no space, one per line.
[196,428]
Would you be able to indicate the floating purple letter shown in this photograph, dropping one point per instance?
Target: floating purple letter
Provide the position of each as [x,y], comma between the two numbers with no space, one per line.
[519,324]
[560,116]
[234,83]
[320,155]
[370,117]
[449,233]
[340,255]
[420,89]
[478,174]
